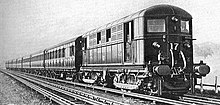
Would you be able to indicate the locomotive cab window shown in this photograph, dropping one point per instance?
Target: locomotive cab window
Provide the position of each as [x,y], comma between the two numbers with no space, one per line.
[184,26]
[156,25]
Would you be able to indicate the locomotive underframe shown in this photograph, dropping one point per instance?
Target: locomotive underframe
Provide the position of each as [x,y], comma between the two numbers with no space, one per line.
[137,78]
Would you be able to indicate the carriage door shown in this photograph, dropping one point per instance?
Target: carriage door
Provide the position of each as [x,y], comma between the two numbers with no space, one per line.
[84,49]
[128,37]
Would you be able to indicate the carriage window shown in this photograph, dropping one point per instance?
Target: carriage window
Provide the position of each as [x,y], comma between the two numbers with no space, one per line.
[72,50]
[119,27]
[108,35]
[98,37]
[51,55]
[185,26]
[55,54]
[59,52]
[85,43]
[94,39]
[114,29]
[156,25]
[63,52]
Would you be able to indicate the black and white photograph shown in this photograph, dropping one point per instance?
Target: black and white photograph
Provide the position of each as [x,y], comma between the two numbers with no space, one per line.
[109,52]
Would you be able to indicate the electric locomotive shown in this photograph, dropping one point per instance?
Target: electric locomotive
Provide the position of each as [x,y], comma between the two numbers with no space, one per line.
[150,51]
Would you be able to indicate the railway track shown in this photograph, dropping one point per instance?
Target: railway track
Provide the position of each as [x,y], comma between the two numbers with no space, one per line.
[93,99]
[191,99]
[64,95]
[154,99]
[48,94]
[200,100]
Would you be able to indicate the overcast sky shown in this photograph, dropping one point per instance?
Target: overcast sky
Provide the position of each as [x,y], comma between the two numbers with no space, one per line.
[27,26]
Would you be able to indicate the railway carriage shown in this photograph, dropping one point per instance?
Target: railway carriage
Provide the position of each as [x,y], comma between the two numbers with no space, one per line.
[37,62]
[10,64]
[26,61]
[19,63]
[7,64]
[13,64]
[61,60]
[150,51]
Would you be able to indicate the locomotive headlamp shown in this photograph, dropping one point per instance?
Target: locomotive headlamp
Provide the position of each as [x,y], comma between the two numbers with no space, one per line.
[150,74]
[202,69]
[187,45]
[164,38]
[174,19]
[155,44]
[162,69]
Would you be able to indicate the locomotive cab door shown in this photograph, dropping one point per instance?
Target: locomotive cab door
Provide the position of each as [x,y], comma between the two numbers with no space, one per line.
[128,38]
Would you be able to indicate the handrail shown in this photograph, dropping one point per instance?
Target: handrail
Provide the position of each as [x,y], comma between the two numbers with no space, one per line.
[216,86]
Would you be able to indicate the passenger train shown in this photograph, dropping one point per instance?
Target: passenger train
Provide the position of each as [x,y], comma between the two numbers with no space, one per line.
[150,51]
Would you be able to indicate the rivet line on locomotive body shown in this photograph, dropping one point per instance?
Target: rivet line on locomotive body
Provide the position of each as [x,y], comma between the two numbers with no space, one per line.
[150,51]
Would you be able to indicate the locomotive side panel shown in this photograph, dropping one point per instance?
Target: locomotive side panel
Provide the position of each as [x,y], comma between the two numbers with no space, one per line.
[107,46]
[113,50]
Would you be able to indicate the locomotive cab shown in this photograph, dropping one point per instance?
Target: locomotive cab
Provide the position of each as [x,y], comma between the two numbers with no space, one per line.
[168,43]
[169,49]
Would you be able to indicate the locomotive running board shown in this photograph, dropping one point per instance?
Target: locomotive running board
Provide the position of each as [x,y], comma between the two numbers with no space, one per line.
[126,86]
[89,81]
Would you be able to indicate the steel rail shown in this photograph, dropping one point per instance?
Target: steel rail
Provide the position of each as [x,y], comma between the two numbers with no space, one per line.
[136,95]
[208,98]
[88,98]
[49,95]
[200,99]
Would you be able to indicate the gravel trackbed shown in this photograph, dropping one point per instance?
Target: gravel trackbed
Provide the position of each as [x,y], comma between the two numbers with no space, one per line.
[13,92]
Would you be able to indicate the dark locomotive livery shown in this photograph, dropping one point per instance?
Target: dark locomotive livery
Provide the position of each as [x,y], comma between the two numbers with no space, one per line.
[150,51]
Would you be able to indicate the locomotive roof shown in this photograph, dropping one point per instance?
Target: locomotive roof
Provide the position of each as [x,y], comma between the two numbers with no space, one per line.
[158,10]
[151,11]
[166,10]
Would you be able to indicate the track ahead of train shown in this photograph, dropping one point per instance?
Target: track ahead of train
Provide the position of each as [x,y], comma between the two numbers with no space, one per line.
[60,94]
[66,95]
[200,100]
